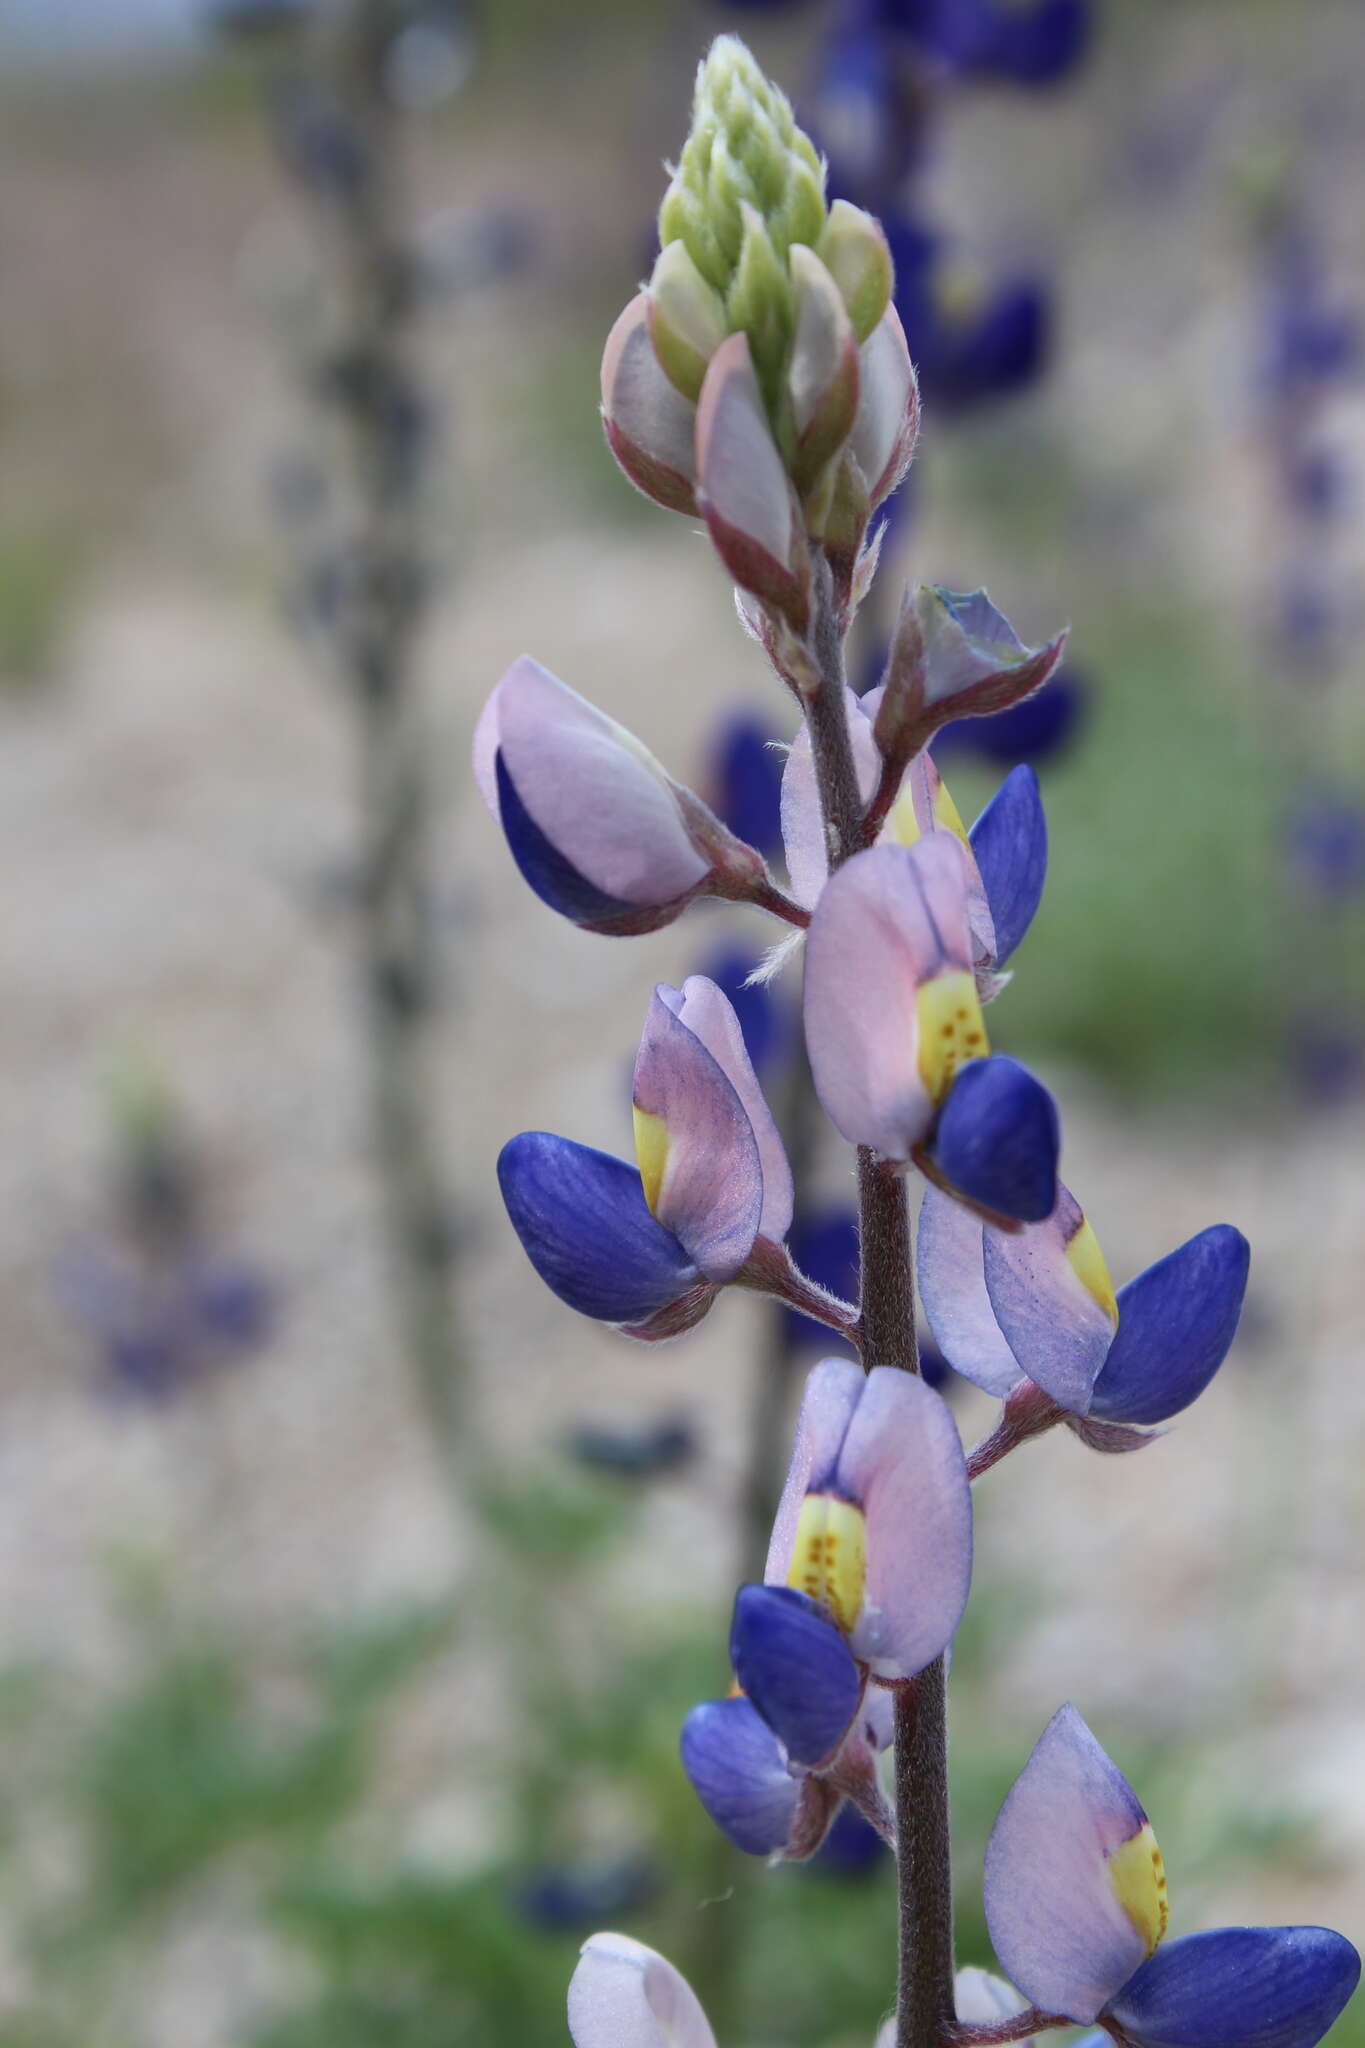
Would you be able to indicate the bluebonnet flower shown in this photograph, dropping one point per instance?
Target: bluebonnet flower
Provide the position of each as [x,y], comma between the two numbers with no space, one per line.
[896,1037]
[1326,835]
[1040,728]
[851,1849]
[1018,42]
[647,1246]
[1038,1304]
[848,1596]
[597,828]
[648,1451]
[565,1898]
[745,780]
[971,340]
[1076,1905]
[824,1244]
[165,1305]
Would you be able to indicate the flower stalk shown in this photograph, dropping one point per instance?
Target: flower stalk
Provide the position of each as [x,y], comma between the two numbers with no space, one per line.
[924,1997]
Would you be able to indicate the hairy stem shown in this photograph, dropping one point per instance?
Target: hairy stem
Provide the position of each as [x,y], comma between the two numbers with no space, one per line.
[924,2002]
[996,2033]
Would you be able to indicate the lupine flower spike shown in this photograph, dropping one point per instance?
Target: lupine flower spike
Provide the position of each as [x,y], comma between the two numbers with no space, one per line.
[1077,1911]
[761,381]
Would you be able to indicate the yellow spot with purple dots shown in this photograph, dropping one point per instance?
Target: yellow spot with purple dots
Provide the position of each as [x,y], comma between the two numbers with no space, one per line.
[1138,1876]
[829,1556]
[951,1029]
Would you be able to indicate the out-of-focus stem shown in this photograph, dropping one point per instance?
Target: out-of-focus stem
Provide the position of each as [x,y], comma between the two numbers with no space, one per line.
[375,649]
[924,2001]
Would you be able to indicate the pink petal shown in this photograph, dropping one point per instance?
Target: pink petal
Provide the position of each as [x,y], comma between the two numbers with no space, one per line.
[1052,1907]
[1056,1328]
[833,1391]
[743,489]
[624,1995]
[889,920]
[950,1265]
[902,1461]
[594,791]
[704,1010]
[887,422]
[650,426]
[706,1185]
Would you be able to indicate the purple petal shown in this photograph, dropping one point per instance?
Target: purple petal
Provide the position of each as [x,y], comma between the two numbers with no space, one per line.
[699,1158]
[796,1668]
[705,1011]
[589,790]
[902,1462]
[1053,1907]
[744,492]
[833,1390]
[888,922]
[584,1225]
[997,1139]
[624,1995]
[952,1283]
[1009,841]
[1057,1323]
[650,426]
[1176,1323]
[950,1262]
[1240,1987]
[740,1775]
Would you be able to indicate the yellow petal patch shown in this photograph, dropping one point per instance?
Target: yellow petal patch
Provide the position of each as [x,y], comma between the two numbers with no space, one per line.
[952,1029]
[1087,1263]
[829,1557]
[651,1154]
[902,826]
[946,814]
[1138,1876]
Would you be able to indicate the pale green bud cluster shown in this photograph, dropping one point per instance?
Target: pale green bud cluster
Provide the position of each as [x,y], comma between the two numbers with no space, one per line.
[749,184]
[749,189]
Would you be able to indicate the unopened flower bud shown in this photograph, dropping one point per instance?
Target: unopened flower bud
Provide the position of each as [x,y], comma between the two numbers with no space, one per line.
[686,319]
[854,251]
[748,185]
[822,381]
[953,656]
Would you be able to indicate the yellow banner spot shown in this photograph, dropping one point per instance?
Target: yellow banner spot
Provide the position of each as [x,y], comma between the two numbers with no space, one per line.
[1087,1263]
[651,1153]
[829,1557]
[952,1029]
[1138,1876]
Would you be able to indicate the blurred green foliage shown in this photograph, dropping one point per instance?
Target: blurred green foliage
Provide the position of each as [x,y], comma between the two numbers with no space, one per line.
[247,1781]
[38,574]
